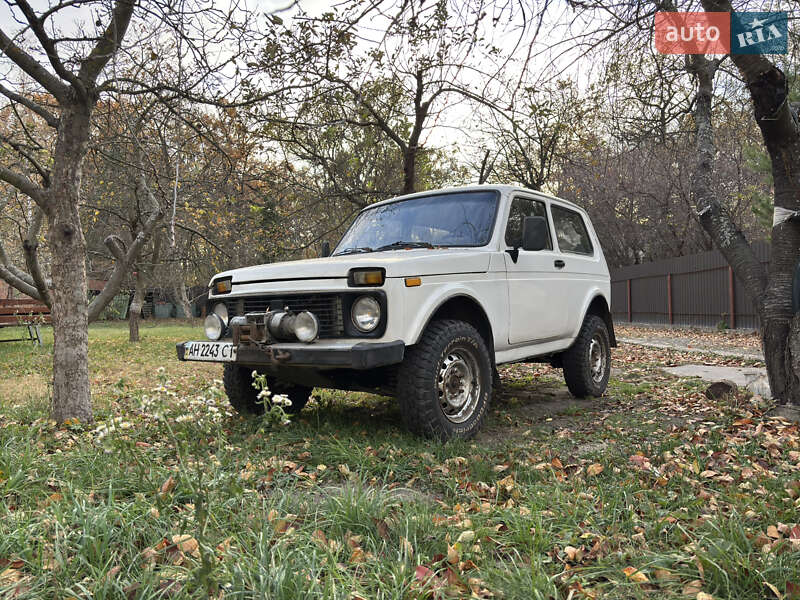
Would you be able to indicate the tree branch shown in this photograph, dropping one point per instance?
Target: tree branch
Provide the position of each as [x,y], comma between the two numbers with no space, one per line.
[28,64]
[30,247]
[37,26]
[125,258]
[25,185]
[108,44]
[40,110]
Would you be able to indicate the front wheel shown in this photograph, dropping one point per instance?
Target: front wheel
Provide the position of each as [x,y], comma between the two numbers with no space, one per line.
[445,381]
[244,397]
[587,363]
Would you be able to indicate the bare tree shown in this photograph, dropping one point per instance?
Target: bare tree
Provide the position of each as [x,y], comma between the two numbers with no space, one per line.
[779,123]
[59,77]
[777,119]
[426,59]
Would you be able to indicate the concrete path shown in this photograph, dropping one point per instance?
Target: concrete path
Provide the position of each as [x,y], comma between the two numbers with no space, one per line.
[752,378]
[678,344]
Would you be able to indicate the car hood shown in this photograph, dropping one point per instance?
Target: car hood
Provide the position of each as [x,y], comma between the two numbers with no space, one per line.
[398,263]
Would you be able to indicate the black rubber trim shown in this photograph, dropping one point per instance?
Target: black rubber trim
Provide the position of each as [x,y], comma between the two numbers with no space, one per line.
[361,356]
[248,281]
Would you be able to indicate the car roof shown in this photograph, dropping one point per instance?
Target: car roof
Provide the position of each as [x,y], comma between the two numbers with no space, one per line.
[503,189]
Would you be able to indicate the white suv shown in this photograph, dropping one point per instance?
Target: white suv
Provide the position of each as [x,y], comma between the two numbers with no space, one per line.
[423,297]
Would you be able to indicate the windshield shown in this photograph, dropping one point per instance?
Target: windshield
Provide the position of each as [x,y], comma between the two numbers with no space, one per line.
[453,219]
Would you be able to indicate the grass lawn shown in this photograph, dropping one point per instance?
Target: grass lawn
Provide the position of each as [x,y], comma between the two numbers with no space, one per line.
[650,492]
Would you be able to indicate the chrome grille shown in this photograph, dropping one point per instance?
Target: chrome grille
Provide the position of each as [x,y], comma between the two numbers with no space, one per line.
[326,307]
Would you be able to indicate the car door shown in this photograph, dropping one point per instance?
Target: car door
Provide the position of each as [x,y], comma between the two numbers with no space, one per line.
[582,264]
[536,286]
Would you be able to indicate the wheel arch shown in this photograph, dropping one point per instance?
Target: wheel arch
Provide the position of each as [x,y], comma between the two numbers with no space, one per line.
[599,306]
[464,307]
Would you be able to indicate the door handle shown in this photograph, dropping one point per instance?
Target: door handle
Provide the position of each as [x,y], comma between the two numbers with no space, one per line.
[559,264]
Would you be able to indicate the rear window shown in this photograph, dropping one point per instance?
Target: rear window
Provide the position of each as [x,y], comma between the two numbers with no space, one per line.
[571,231]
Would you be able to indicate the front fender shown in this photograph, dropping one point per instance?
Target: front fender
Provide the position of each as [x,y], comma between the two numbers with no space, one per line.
[421,304]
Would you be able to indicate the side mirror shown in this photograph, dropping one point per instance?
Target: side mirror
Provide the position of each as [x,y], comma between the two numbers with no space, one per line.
[534,233]
[326,249]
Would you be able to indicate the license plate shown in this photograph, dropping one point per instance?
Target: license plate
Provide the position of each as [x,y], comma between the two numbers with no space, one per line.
[210,351]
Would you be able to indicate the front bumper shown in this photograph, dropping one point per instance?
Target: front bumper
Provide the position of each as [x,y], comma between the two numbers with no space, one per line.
[360,356]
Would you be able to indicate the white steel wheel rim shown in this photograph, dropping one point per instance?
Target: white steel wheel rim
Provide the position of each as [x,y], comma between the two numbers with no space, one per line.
[597,359]
[458,385]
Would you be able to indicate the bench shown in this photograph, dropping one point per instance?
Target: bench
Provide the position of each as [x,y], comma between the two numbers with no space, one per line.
[24,312]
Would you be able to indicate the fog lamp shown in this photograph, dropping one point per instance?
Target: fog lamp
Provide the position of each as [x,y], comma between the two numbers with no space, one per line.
[222,312]
[306,326]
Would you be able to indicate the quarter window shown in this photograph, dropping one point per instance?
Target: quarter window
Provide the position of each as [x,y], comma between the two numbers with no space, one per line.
[521,208]
[571,231]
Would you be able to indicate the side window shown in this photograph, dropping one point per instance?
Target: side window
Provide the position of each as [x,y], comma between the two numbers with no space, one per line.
[521,208]
[571,231]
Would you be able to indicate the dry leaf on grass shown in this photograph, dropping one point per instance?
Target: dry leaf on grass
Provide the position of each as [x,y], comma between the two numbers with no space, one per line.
[693,588]
[594,469]
[167,487]
[635,575]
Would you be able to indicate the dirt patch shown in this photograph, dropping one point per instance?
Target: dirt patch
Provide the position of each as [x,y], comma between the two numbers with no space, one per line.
[24,388]
[543,405]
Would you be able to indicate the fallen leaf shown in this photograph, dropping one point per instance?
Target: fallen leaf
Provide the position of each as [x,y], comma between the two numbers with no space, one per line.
[466,536]
[167,486]
[594,469]
[383,529]
[357,556]
[772,532]
[704,596]
[319,537]
[635,575]
[187,544]
[452,555]
[693,588]
[664,575]
[774,590]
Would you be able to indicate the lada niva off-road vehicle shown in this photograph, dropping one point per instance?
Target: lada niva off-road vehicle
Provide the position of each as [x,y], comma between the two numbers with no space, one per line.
[422,299]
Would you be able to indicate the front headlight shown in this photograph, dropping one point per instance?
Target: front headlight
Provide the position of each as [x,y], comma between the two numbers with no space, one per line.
[366,313]
[306,327]
[214,327]
[222,311]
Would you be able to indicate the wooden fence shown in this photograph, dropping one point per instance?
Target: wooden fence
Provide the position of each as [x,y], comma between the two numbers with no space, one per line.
[696,290]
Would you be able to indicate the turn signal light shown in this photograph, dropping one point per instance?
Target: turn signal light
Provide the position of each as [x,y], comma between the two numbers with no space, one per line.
[223,286]
[367,277]
[413,281]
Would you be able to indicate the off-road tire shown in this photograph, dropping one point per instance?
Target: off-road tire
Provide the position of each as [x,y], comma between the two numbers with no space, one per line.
[419,376]
[244,397]
[582,380]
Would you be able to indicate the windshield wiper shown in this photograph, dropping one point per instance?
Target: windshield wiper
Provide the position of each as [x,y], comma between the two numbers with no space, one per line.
[354,250]
[398,245]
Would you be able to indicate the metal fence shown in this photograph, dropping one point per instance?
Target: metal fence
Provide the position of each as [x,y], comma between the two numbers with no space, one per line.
[696,290]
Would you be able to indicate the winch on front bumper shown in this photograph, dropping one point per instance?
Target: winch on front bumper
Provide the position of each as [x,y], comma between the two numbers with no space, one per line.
[254,341]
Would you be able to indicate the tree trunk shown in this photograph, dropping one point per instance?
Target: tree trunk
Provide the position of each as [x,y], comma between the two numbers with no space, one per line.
[410,170]
[71,389]
[144,275]
[182,298]
[780,129]
[135,310]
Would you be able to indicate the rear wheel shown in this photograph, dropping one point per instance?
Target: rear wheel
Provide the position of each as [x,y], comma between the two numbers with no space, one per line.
[243,396]
[587,363]
[445,381]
